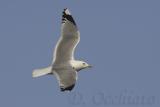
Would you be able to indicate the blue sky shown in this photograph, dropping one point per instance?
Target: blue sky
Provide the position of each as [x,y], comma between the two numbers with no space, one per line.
[120,38]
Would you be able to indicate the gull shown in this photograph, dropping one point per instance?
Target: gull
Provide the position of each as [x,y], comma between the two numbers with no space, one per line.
[64,67]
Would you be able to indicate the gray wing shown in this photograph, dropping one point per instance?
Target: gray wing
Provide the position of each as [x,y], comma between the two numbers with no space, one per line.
[69,39]
[66,78]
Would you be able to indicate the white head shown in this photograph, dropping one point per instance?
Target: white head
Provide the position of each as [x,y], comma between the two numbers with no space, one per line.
[79,65]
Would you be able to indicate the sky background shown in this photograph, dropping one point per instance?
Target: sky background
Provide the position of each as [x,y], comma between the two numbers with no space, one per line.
[120,38]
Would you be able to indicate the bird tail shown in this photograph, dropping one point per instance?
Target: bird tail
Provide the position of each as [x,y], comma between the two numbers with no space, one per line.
[41,72]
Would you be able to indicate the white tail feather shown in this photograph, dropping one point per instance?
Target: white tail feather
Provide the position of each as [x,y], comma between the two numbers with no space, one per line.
[41,72]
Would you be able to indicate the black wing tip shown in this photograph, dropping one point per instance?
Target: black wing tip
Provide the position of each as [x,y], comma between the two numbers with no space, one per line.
[67,88]
[67,16]
[65,9]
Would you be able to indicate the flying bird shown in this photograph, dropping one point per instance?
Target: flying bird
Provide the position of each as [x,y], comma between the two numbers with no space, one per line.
[64,67]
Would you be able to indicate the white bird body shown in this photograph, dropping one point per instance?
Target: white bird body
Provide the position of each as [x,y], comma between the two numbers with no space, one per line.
[64,67]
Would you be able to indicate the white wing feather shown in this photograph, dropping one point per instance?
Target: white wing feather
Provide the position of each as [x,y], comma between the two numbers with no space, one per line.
[66,77]
[70,36]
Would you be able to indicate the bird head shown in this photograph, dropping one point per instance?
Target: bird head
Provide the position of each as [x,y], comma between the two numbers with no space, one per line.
[85,65]
[79,65]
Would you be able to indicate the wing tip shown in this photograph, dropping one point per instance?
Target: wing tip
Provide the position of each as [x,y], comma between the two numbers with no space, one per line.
[66,11]
[69,88]
[66,15]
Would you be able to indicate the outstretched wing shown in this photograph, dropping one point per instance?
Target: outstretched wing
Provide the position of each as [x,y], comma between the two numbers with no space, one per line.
[66,78]
[69,39]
